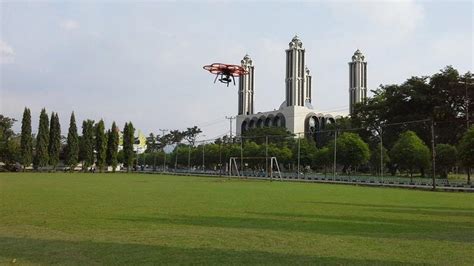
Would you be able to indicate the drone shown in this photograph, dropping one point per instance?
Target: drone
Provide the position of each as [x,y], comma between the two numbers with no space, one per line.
[226,73]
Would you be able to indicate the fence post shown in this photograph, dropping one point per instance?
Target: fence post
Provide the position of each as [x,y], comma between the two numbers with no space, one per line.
[203,166]
[335,152]
[189,157]
[433,153]
[381,153]
[266,156]
[241,154]
[164,159]
[220,159]
[299,156]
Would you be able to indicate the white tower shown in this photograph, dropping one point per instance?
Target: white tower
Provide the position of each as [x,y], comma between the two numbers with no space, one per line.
[295,73]
[246,85]
[357,80]
[307,85]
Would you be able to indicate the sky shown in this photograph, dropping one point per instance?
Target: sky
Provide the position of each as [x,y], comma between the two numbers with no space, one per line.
[142,62]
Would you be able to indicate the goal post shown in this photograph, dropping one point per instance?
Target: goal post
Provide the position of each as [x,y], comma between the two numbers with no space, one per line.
[237,165]
[274,162]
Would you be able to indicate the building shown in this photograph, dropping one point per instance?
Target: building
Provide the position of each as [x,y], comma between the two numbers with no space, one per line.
[357,80]
[139,144]
[296,113]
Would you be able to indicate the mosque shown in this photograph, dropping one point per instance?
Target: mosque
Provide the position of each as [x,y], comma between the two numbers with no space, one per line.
[296,113]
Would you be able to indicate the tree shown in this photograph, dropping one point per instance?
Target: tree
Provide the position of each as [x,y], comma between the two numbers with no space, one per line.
[340,124]
[441,97]
[86,147]
[42,141]
[446,157]
[410,152]
[308,152]
[175,137]
[72,147]
[191,134]
[278,133]
[351,150]
[151,143]
[26,145]
[9,143]
[466,151]
[54,146]
[375,158]
[112,146]
[284,154]
[100,145]
[128,139]
[323,158]
[6,124]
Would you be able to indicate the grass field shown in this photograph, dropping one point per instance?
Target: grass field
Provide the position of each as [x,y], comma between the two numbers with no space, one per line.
[135,218]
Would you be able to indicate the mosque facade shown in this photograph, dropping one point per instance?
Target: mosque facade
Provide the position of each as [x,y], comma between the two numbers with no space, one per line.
[296,113]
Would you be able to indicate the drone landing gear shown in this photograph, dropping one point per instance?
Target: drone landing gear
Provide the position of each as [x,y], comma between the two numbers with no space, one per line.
[226,79]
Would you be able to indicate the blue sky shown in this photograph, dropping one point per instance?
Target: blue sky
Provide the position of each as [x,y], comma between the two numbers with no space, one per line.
[142,62]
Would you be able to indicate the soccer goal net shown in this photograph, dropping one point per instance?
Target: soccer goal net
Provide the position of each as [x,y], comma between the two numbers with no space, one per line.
[266,167]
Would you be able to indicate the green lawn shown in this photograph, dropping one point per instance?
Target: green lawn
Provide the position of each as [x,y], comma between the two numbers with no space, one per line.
[135,218]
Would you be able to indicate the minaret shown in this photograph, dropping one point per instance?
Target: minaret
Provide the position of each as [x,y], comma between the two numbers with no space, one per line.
[307,85]
[295,73]
[246,85]
[357,80]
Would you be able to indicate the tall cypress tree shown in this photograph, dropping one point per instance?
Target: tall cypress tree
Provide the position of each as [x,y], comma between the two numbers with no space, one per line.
[72,148]
[100,144]
[112,146]
[26,139]
[87,144]
[42,139]
[128,139]
[125,146]
[54,140]
[131,137]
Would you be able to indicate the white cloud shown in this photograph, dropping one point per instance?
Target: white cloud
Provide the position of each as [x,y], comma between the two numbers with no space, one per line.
[7,53]
[69,25]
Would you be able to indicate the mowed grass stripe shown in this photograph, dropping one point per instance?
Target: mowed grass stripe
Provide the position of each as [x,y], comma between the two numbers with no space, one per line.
[135,218]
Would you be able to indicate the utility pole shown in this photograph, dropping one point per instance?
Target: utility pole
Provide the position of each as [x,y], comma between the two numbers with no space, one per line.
[381,153]
[433,154]
[467,106]
[230,124]
[203,144]
[164,153]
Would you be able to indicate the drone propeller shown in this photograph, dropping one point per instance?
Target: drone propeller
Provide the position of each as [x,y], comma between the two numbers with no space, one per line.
[225,72]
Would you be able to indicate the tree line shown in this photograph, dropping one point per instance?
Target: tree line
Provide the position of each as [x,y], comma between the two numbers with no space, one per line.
[96,148]
[409,154]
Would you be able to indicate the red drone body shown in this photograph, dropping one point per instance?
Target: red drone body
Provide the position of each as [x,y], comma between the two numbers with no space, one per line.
[226,72]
